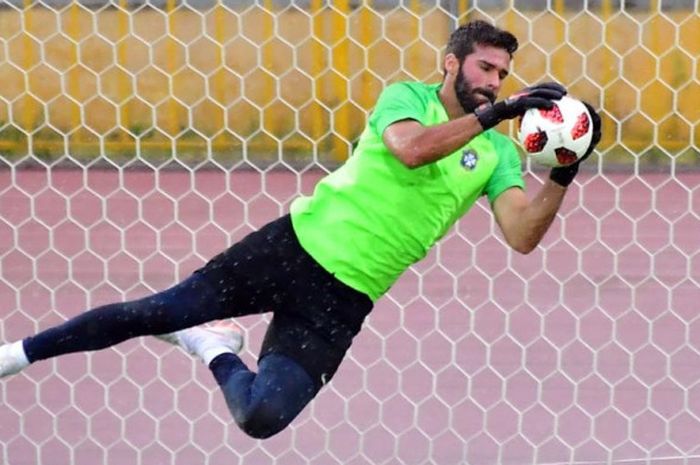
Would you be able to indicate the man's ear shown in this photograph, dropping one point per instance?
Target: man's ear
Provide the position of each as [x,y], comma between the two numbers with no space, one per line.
[451,64]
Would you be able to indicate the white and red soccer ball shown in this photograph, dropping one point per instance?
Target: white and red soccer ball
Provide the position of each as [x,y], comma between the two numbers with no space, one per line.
[558,136]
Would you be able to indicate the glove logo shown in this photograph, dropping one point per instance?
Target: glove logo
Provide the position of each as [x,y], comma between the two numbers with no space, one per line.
[469,159]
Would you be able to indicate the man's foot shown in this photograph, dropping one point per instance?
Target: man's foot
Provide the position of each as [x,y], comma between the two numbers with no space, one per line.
[12,359]
[207,342]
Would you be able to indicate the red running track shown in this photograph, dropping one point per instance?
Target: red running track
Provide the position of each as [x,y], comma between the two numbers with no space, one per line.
[586,350]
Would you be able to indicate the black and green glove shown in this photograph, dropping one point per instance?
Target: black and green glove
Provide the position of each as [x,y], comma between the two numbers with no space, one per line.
[539,96]
[564,175]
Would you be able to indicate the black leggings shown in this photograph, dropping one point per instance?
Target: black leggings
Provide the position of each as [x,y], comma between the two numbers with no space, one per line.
[188,304]
[314,320]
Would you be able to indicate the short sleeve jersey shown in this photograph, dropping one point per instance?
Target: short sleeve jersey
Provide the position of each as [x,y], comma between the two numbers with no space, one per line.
[373,217]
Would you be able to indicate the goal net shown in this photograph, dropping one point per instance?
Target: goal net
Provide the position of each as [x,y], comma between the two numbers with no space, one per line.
[139,139]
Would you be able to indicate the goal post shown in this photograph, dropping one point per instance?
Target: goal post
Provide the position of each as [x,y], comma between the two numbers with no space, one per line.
[138,139]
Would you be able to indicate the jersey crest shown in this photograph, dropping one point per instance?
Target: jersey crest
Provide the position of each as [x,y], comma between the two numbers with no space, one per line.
[469,159]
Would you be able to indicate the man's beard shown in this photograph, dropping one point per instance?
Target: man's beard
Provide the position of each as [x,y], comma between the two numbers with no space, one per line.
[465,94]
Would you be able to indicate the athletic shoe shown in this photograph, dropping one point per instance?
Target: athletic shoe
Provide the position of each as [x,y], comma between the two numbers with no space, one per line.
[12,359]
[207,342]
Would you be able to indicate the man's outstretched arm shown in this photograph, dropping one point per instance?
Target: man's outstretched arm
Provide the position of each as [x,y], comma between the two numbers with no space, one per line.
[417,145]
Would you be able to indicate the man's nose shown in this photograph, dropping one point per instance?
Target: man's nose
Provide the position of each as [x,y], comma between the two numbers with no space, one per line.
[494,83]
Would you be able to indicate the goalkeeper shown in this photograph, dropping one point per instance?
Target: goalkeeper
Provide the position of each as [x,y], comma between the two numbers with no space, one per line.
[427,154]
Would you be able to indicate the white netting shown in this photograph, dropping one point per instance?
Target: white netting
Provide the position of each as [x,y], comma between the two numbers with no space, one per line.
[139,139]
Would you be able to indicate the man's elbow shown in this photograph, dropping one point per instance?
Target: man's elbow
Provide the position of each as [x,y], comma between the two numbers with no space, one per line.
[410,158]
[523,246]
[413,162]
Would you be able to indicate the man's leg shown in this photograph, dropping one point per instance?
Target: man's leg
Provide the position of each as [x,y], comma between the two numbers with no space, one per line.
[189,303]
[262,404]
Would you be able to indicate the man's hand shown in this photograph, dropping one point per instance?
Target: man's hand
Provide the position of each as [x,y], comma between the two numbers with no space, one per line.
[539,96]
[564,175]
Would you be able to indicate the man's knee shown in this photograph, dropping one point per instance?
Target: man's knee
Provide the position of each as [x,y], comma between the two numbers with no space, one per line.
[264,404]
[264,421]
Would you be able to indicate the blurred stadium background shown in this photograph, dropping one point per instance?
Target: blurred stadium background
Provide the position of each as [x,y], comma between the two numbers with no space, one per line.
[254,82]
[137,139]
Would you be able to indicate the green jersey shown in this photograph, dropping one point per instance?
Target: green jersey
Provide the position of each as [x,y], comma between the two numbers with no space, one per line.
[371,219]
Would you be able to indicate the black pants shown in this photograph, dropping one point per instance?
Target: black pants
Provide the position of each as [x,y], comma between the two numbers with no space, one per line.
[315,316]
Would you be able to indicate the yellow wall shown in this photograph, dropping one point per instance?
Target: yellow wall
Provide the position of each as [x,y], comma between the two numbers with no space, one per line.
[116,82]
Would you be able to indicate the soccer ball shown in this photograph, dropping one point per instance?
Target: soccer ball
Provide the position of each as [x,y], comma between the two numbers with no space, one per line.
[558,136]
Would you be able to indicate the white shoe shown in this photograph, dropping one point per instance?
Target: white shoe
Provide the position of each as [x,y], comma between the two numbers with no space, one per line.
[207,342]
[12,359]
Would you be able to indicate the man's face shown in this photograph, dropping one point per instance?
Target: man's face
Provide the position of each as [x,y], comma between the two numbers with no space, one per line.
[480,76]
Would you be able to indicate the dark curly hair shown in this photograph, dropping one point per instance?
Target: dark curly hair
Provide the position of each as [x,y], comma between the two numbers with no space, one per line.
[463,39]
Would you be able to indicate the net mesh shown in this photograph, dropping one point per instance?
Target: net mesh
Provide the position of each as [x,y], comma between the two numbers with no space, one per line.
[140,139]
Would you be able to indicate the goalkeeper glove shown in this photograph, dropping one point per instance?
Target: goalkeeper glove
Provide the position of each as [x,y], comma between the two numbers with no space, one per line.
[539,96]
[564,175]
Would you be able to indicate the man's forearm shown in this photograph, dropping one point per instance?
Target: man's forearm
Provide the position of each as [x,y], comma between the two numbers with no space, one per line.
[540,213]
[419,147]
